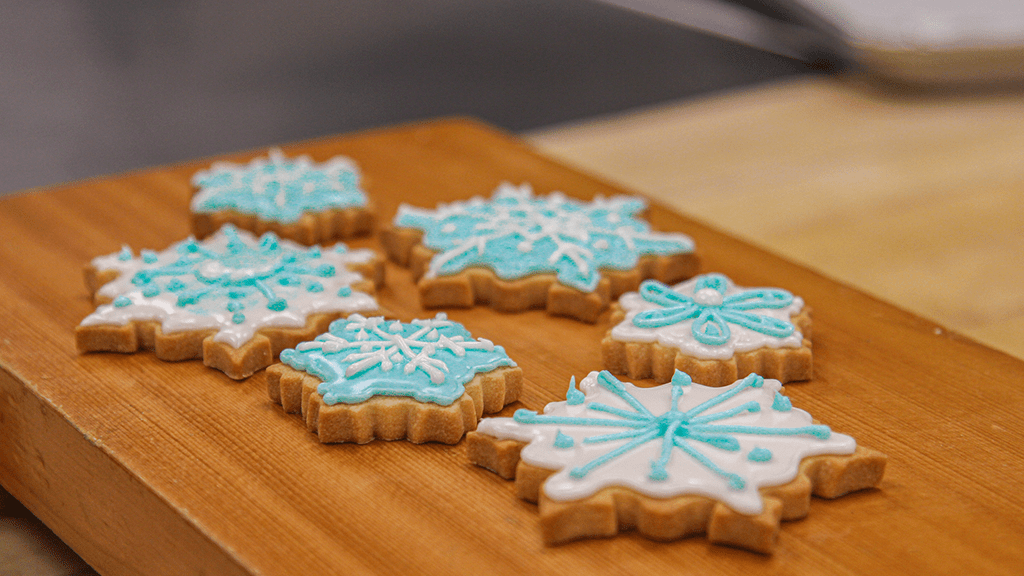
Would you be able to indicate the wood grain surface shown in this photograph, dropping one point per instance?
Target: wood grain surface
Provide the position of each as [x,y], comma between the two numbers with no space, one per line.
[147,467]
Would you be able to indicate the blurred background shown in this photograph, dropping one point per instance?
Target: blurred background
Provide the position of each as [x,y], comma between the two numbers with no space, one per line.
[91,87]
[910,194]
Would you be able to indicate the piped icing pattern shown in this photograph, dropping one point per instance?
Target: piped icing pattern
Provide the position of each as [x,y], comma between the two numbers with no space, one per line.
[429,360]
[517,234]
[277,188]
[709,317]
[669,440]
[232,283]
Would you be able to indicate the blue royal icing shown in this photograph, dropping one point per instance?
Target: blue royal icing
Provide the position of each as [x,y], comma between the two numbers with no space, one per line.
[517,234]
[278,189]
[712,311]
[428,360]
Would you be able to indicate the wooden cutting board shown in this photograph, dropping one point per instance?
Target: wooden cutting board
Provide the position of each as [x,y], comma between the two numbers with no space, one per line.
[147,467]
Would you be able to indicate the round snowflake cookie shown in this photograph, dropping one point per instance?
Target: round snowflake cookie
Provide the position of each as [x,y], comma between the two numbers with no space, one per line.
[296,198]
[371,378]
[709,328]
[673,460]
[233,300]
[517,251]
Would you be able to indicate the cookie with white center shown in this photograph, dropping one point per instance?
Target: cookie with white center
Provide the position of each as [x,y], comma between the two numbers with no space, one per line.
[233,300]
[672,461]
[371,378]
[516,251]
[711,329]
[296,198]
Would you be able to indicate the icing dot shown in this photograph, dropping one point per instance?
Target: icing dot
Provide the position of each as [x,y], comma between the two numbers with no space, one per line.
[574,397]
[449,228]
[601,244]
[563,440]
[238,318]
[325,271]
[151,290]
[708,297]
[681,378]
[277,304]
[345,291]
[235,306]
[125,254]
[759,455]
[122,301]
[658,472]
[525,246]
[149,257]
[315,287]
[782,403]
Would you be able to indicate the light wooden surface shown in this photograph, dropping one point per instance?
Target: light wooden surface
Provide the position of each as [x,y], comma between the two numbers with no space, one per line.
[146,467]
[916,198]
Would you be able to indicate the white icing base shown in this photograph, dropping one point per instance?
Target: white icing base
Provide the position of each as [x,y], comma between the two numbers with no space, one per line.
[215,316]
[679,336]
[685,474]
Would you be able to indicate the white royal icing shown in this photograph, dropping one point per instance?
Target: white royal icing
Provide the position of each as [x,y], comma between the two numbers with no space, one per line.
[722,443]
[239,284]
[679,336]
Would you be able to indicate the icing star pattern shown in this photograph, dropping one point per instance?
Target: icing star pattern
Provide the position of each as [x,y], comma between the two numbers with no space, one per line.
[517,234]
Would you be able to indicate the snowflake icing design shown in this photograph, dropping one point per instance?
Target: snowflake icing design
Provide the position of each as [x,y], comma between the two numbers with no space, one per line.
[429,360]
[278,189]
[712,310]
[677,438]
[517,234]
[232,283]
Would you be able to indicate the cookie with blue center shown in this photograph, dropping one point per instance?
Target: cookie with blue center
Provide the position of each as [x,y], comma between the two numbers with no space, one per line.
[518,251]
[296,198]
[673,460]
[233,300]
[711,329]
[370,378]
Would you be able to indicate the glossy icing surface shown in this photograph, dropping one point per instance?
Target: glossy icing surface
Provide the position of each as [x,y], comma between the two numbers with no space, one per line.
[429,360]
[231,282]
[677,438]
[709,317]
[278,188]
[517,234]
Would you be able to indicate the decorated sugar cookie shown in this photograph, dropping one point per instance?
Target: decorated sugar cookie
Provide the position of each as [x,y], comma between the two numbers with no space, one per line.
[296,198]
[710,328]
[367,378]
[517,251]
[673,460]
[233,300]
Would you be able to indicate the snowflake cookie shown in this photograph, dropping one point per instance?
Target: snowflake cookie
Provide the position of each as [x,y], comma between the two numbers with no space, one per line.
[368,378]
[295,198]
[673,460]
[233,300]
[518,251]
[711,329]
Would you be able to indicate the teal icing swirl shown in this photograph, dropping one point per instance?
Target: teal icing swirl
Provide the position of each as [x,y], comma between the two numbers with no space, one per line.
[712,311]
[428,360]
